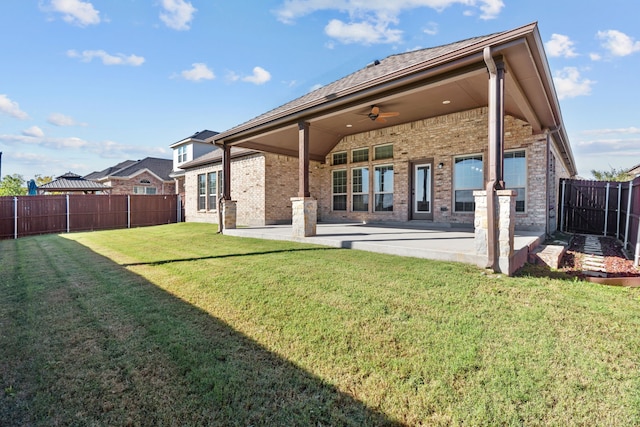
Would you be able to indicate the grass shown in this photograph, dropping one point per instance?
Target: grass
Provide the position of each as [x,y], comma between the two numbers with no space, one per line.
[177,325]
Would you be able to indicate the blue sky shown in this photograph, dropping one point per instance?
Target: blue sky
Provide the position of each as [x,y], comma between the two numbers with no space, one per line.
[86,84]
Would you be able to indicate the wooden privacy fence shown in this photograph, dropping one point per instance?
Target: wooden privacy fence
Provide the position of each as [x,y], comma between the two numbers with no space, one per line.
[602,207]
[30,215]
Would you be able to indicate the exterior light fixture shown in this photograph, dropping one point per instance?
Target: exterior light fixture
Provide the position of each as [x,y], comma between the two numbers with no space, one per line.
[440,165]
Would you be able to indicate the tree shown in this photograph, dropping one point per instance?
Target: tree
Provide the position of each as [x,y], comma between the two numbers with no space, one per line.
[13,185]
[41,180]
[612,175]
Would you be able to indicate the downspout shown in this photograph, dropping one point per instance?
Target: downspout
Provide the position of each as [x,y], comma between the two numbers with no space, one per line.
[547,226]
[495,182]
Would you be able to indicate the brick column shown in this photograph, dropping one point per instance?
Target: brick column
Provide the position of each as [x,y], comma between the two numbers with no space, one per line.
[506,220]
[305,216]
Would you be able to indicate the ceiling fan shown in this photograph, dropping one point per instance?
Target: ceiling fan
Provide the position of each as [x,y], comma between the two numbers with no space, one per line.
[376,115]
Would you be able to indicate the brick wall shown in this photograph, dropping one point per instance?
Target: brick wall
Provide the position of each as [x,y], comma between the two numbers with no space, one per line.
[440,139]
[262,184]
[125,185]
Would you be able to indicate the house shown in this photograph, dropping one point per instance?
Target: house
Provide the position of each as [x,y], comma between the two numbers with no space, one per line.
[466,134]
[147,176]
[186,150]
[73,183]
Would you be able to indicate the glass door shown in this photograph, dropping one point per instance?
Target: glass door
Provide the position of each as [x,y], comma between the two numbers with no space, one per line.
[421,191]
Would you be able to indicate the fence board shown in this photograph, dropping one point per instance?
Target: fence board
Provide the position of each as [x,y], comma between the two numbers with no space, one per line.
[82,212]
[587,207]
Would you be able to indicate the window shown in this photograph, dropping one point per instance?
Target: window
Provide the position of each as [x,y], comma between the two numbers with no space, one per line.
[182,154]
[202,192]
[360,189]
[339,158]
[467,177]
[383,188]
[360,155]
[383,152]
[515,176]
[339,190]
[143,190]
[213,191]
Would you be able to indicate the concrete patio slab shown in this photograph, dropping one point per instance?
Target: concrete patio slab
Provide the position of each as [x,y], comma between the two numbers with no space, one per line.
[405,239]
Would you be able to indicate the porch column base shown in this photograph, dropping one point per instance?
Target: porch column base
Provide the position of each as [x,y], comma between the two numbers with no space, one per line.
[228,214]
[304,217]
[506,221]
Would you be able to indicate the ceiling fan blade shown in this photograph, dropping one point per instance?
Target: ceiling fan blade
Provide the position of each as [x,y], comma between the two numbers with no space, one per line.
[389,114]
[380,119]
[375,110]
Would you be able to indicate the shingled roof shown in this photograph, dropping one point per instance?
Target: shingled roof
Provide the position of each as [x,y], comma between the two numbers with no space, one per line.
[160,167]
[417,85]
[201,136]
[71,182]
[366,76]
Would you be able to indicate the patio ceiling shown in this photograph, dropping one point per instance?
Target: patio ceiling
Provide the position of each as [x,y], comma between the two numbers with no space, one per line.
[455,80]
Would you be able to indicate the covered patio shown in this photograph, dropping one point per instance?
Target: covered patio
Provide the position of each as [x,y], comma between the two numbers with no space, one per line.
[412,239]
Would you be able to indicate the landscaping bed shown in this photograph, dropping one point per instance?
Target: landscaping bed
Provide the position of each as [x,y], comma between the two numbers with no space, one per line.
[615,261]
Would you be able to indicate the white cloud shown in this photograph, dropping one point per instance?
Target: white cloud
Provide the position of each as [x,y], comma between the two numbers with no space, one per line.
[58,119]
[595,56]
[198,72]
[11,108]
[260,76]
[177,14]
[618,43]
[43,141]
[75,12]
[370,21]
[34,131]
[569,83]
[560,45]
[362,32]
[431,29]
[624,131]
[107,59]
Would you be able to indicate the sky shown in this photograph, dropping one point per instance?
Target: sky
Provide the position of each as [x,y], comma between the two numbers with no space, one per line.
[86,84]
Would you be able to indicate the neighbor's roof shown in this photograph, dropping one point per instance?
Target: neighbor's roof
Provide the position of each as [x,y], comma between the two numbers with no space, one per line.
[201,136]
[72,182]
[160,167]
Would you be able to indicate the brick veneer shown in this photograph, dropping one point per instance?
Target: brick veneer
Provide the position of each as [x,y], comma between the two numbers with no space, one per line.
[125,185]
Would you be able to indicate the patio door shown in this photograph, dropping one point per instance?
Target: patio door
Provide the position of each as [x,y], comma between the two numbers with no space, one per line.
[421,191]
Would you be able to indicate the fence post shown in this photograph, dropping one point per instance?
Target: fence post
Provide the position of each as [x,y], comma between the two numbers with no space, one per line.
[15,217]
[618,215]
[626,231]
[606,209]
[564,183]
[68,214]
[128,211]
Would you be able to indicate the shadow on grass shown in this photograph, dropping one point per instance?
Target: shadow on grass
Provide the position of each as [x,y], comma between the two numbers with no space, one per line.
[96,344]
[171,261]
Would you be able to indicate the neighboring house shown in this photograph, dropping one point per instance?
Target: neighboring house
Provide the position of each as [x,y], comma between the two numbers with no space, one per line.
[634,171]
[72,183]
[147,176]
[185,151]
[413,136]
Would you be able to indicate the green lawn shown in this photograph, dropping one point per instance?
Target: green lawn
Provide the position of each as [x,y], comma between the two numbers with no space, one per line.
[176,325]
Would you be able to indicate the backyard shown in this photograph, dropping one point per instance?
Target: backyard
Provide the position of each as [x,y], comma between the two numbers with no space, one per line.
[178,325]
